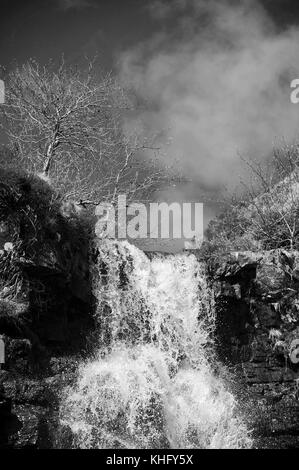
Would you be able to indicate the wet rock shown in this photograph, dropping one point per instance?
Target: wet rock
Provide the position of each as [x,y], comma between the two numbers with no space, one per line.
[258,334]
[30,431]
[9,423]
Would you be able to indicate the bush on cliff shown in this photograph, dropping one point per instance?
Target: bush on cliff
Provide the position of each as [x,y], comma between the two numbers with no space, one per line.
[267,215]
[34,230]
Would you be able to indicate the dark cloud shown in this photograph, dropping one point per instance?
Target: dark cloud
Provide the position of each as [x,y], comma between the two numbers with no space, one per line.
[219,79]
[75,4]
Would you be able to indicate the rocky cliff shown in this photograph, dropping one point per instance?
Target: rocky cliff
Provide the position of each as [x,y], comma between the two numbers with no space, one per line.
[257,307]
[45,307]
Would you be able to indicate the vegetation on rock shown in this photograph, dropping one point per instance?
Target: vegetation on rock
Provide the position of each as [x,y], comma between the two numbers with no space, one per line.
[266,215]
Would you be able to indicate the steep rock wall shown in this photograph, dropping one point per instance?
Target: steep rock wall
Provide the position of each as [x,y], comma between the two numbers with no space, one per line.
[257,305]
[45,306]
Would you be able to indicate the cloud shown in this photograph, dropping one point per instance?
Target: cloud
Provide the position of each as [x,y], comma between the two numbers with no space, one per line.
[218,77]
[159,10]
[74,4]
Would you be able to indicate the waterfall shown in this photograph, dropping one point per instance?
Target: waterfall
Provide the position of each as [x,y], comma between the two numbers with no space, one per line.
[153,381]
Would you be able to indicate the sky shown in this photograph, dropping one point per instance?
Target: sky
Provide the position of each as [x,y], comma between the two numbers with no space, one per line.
[213,76]
[48,28]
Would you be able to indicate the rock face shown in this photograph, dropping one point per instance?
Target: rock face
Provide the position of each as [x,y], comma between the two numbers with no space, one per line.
[45,308]
[41,349]
[257,304]
[40,359]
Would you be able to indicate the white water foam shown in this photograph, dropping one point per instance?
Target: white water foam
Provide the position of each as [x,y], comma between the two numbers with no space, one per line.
[151,383]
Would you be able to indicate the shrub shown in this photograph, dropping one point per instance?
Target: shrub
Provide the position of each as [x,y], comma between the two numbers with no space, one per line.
[267,214]
[34,229]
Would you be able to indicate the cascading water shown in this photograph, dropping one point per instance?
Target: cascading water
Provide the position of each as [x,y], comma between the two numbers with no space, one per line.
[152,383]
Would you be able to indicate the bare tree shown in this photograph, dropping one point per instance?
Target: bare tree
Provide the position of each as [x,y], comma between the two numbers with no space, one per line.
[67,126]
[273,197]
